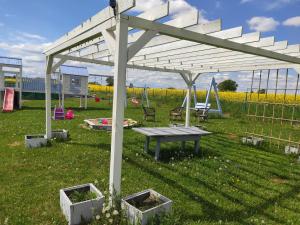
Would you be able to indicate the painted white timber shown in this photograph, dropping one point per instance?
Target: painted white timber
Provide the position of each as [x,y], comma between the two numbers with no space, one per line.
[20,88]
[104,15]
[201,62]
[180,47]
[140,43]
[57,65]
[153,14]
[156,13]
[190,20]
[195,77]
[212,53]
[82,38]
[106,63]
[188,102]
[243,60]
[164,29]
[49,62]
[248,68]
[185,78]
[118,108]
[110,40]
[228,57]
[210,27]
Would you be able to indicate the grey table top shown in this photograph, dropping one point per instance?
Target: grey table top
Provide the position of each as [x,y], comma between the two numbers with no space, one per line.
[171,131]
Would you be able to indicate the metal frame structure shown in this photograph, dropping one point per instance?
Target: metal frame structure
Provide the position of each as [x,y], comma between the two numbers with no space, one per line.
[183,46]
[7,63]
[275,111]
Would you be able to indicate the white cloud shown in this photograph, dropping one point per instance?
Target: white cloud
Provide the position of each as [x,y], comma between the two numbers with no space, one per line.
[2,24]
[32,36]
[178,8]
[142,5]
[270,4]
[30,50]
[293,21]
[218,4]
[278,4]
[246,1]
[263,24]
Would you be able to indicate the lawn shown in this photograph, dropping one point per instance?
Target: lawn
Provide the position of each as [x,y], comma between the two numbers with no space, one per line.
[228,183]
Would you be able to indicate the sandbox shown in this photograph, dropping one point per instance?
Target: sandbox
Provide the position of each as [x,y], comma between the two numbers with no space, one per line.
[106,123]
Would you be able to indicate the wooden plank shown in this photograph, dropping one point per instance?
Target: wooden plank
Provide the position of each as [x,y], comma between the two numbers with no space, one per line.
[208,40]
[94,21]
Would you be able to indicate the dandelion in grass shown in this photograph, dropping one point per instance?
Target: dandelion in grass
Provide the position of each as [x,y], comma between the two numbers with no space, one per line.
[107,215]
[115,212]
[97,217]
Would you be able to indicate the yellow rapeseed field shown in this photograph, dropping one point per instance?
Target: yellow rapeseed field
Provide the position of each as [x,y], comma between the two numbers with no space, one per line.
[227,96]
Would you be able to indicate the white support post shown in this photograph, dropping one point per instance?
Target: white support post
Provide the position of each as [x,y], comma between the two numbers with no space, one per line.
[20,88]
[2,86]
[80,102]
[217,97]
[62,91]
[85,101]
[188,102]
[118,108]
[110,39]
[49,62]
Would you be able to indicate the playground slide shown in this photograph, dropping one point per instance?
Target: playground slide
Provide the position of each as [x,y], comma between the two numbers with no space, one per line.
[8,102]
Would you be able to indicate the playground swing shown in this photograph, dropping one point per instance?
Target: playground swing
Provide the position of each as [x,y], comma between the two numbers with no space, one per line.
[206,106]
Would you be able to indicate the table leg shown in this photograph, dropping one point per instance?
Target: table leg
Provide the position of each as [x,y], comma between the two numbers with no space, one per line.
[157,149]
[146,148]
[197,146]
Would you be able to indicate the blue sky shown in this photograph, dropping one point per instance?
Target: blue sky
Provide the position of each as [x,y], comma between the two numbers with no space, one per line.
[27,27]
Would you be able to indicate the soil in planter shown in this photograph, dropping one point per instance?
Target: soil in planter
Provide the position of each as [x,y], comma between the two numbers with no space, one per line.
[145,202]
[81,196]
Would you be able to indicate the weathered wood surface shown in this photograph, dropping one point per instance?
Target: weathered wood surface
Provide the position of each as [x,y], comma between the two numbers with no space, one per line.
[171,131]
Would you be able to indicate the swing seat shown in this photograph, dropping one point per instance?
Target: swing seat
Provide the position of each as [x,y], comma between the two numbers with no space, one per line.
[201,114]
[149,112]
[202,106]
[176,113]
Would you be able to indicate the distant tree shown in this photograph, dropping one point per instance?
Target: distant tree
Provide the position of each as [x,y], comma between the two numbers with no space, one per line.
[261,91]
[131,85]
[110,81]
[171,88]
[228,85]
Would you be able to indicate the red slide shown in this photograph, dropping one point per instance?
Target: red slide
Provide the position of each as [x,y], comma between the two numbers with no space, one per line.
[8,103]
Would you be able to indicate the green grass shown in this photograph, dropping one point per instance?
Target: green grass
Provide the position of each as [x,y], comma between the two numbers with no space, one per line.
[228,183]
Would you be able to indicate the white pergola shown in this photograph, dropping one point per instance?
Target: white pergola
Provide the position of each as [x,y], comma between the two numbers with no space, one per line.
[182,46]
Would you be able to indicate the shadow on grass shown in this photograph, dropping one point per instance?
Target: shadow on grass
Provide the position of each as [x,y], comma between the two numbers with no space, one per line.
[212,212]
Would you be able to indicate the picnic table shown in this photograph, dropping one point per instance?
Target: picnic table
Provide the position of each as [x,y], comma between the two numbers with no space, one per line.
[171,134]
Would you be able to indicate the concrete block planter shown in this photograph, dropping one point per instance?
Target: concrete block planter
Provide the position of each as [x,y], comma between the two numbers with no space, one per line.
[35,141]
[291,150]
[255,141]
[60,134]
[83,211]
[143,206]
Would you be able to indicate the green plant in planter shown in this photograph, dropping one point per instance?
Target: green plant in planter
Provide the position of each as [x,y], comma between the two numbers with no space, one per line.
[81,196]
